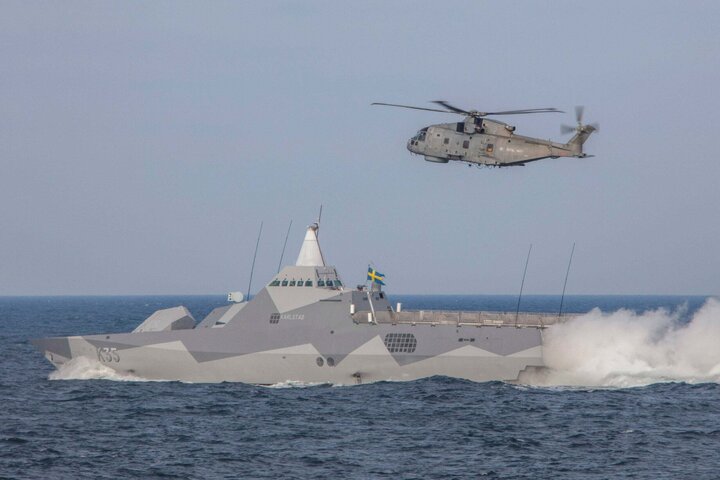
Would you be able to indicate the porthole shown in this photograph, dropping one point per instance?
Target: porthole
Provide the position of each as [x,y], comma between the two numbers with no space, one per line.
[331,362]
[320,362]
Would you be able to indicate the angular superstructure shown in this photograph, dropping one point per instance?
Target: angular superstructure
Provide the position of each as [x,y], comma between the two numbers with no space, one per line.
[306,325]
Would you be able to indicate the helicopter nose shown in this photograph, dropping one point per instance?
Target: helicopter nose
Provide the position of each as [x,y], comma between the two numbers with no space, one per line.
[410,145]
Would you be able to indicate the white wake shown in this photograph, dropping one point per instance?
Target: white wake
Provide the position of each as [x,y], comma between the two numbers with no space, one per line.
[625,349]
[83,368]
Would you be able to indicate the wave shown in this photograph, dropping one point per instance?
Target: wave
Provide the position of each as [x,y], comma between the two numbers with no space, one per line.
[627,349]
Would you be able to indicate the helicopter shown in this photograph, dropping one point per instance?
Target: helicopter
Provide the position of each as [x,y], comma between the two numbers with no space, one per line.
[481,141]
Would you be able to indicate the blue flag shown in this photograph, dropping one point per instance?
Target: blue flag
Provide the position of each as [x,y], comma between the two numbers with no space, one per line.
[375,276]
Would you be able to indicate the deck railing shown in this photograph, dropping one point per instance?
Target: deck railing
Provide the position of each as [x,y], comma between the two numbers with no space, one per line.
[452,317]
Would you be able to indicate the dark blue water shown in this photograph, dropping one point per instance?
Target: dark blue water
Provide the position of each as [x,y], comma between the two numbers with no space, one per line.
[432,428]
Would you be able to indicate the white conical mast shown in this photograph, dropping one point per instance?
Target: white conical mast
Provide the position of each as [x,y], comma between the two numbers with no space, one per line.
[310,254]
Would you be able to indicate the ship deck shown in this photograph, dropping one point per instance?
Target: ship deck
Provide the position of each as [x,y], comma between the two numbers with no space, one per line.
[461,318]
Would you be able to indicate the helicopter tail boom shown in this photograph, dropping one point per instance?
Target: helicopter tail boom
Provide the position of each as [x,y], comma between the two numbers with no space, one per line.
[577,141]
[582,132]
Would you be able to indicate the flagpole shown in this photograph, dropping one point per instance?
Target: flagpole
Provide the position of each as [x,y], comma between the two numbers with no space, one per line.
[369,296]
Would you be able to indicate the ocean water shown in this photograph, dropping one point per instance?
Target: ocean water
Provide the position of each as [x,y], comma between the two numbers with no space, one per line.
[633,392]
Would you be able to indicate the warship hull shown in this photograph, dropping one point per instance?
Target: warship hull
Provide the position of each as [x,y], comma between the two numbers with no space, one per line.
[170,359]
[321,343]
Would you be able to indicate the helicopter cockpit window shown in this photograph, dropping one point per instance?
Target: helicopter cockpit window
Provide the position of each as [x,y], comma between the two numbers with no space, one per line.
[420,136]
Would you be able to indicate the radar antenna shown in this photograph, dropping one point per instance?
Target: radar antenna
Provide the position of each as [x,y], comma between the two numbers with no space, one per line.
[252,269]
[522,284]
[284,245]
[567,273]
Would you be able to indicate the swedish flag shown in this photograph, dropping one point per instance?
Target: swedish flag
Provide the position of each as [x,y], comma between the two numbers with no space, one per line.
[375,276]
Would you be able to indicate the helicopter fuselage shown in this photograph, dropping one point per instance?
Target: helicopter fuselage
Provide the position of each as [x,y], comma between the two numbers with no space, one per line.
[483,141]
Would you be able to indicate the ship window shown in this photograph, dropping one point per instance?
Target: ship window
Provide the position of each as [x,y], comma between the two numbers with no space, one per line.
[300,283]
[466,144]
[275,283]
[446,141]
[292,283]
[308,283]
[338,283]
[321,283]
[284,283]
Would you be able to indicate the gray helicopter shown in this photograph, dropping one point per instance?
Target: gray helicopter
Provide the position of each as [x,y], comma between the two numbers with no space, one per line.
[480,141]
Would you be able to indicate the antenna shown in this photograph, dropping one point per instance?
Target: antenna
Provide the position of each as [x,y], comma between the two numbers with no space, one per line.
[562,298]
[284,245]
[517,310]
[252,269]
[318,222]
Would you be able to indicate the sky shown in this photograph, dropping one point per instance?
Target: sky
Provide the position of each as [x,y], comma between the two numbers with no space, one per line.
[143,143]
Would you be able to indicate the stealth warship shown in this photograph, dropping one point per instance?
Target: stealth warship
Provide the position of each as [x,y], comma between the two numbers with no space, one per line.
[306,325]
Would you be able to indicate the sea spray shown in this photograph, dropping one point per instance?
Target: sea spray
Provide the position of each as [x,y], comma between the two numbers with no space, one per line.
[624,349]
[83,368]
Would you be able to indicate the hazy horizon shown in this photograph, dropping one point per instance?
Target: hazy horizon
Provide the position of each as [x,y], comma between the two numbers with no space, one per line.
[141,145]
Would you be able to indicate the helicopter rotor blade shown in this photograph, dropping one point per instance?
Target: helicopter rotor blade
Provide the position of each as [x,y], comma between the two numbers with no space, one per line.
[473,113]
[525,111]
[410,106]
[592,127]
[579,110]
[564,129]
[452,108]
[476,113]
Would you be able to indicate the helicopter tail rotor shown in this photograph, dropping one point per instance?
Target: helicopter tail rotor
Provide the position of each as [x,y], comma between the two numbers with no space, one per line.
[582,132]
[580,127]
